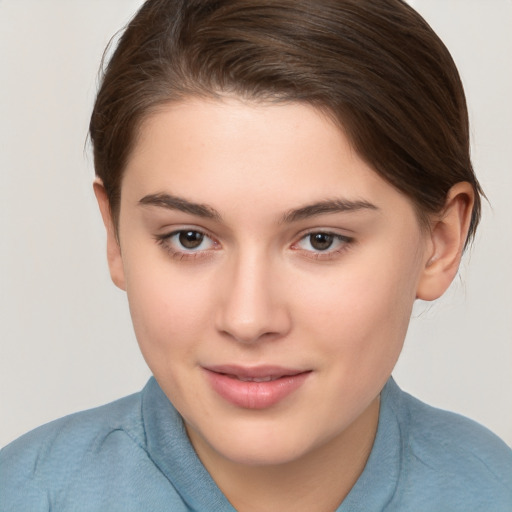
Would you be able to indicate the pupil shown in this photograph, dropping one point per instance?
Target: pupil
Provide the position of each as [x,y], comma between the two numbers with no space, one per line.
[191,239]
[321,241]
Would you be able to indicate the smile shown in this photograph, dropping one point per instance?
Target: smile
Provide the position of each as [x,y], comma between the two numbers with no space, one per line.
[254,388]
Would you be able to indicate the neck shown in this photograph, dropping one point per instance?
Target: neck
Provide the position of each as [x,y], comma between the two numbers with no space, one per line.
[318,481]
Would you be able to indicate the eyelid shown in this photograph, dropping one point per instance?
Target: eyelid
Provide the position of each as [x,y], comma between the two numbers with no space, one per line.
[345,240]
[164,240]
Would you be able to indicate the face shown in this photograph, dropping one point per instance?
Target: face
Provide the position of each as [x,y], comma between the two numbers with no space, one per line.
[270,274]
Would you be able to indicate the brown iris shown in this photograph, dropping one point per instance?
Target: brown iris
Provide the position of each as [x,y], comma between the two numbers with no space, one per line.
[191,239]
[321,241]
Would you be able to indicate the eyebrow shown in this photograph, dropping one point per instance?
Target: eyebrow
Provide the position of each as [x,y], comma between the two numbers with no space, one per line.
[329,206]
[178,203]
[326,207]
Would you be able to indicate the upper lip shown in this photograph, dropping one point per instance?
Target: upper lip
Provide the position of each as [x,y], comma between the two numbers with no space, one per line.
[255,372]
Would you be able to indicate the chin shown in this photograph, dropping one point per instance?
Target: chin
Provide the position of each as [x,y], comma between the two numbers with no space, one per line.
[256,457]
[255,445]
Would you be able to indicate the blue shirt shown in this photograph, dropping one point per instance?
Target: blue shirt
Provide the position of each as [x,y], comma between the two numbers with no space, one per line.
[134,455]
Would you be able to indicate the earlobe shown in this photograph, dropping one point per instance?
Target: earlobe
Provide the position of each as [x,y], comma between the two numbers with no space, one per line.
[115,261]
[446,242]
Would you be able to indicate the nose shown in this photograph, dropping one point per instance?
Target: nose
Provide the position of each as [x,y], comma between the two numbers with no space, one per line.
[252,305]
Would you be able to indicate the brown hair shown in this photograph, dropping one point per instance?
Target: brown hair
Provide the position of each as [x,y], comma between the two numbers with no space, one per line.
[375,66]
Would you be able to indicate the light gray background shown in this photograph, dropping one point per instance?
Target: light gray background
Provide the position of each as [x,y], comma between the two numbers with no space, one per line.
[66,342]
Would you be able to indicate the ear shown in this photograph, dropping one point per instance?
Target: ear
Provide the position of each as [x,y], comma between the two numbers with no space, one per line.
[446,242]
[115,260]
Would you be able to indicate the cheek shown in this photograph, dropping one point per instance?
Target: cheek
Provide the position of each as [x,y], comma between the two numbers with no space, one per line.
[169,312]
[363,311]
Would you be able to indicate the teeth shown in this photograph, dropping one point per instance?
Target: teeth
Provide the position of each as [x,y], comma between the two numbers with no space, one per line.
[257,379]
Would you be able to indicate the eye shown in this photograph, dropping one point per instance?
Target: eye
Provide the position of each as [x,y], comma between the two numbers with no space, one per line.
[186,242]
[323,242]
[320,241]
[189,239]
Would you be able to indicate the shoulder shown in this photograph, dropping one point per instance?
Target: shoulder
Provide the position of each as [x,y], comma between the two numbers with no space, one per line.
[39,461]
[452,459]
[75,434]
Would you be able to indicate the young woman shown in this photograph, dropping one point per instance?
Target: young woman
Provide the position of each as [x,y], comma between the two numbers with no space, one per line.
[279,182]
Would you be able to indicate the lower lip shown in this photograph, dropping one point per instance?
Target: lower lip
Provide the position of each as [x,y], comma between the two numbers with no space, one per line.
[255,395]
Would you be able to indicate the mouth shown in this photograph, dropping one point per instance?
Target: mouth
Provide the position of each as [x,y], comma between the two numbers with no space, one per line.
[253,379]
[255,387]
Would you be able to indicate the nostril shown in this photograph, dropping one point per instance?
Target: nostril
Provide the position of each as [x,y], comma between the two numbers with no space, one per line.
[267,328]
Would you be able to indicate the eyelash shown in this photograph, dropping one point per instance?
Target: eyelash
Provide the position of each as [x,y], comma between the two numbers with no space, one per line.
[345,243]
[165,241]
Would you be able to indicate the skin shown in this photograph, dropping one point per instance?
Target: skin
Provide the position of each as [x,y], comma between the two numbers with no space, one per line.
[258,292]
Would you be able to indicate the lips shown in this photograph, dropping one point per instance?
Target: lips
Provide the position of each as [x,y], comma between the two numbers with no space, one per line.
[257,387]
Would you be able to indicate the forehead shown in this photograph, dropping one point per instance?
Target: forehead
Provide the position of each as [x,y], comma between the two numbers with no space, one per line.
[228,152]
